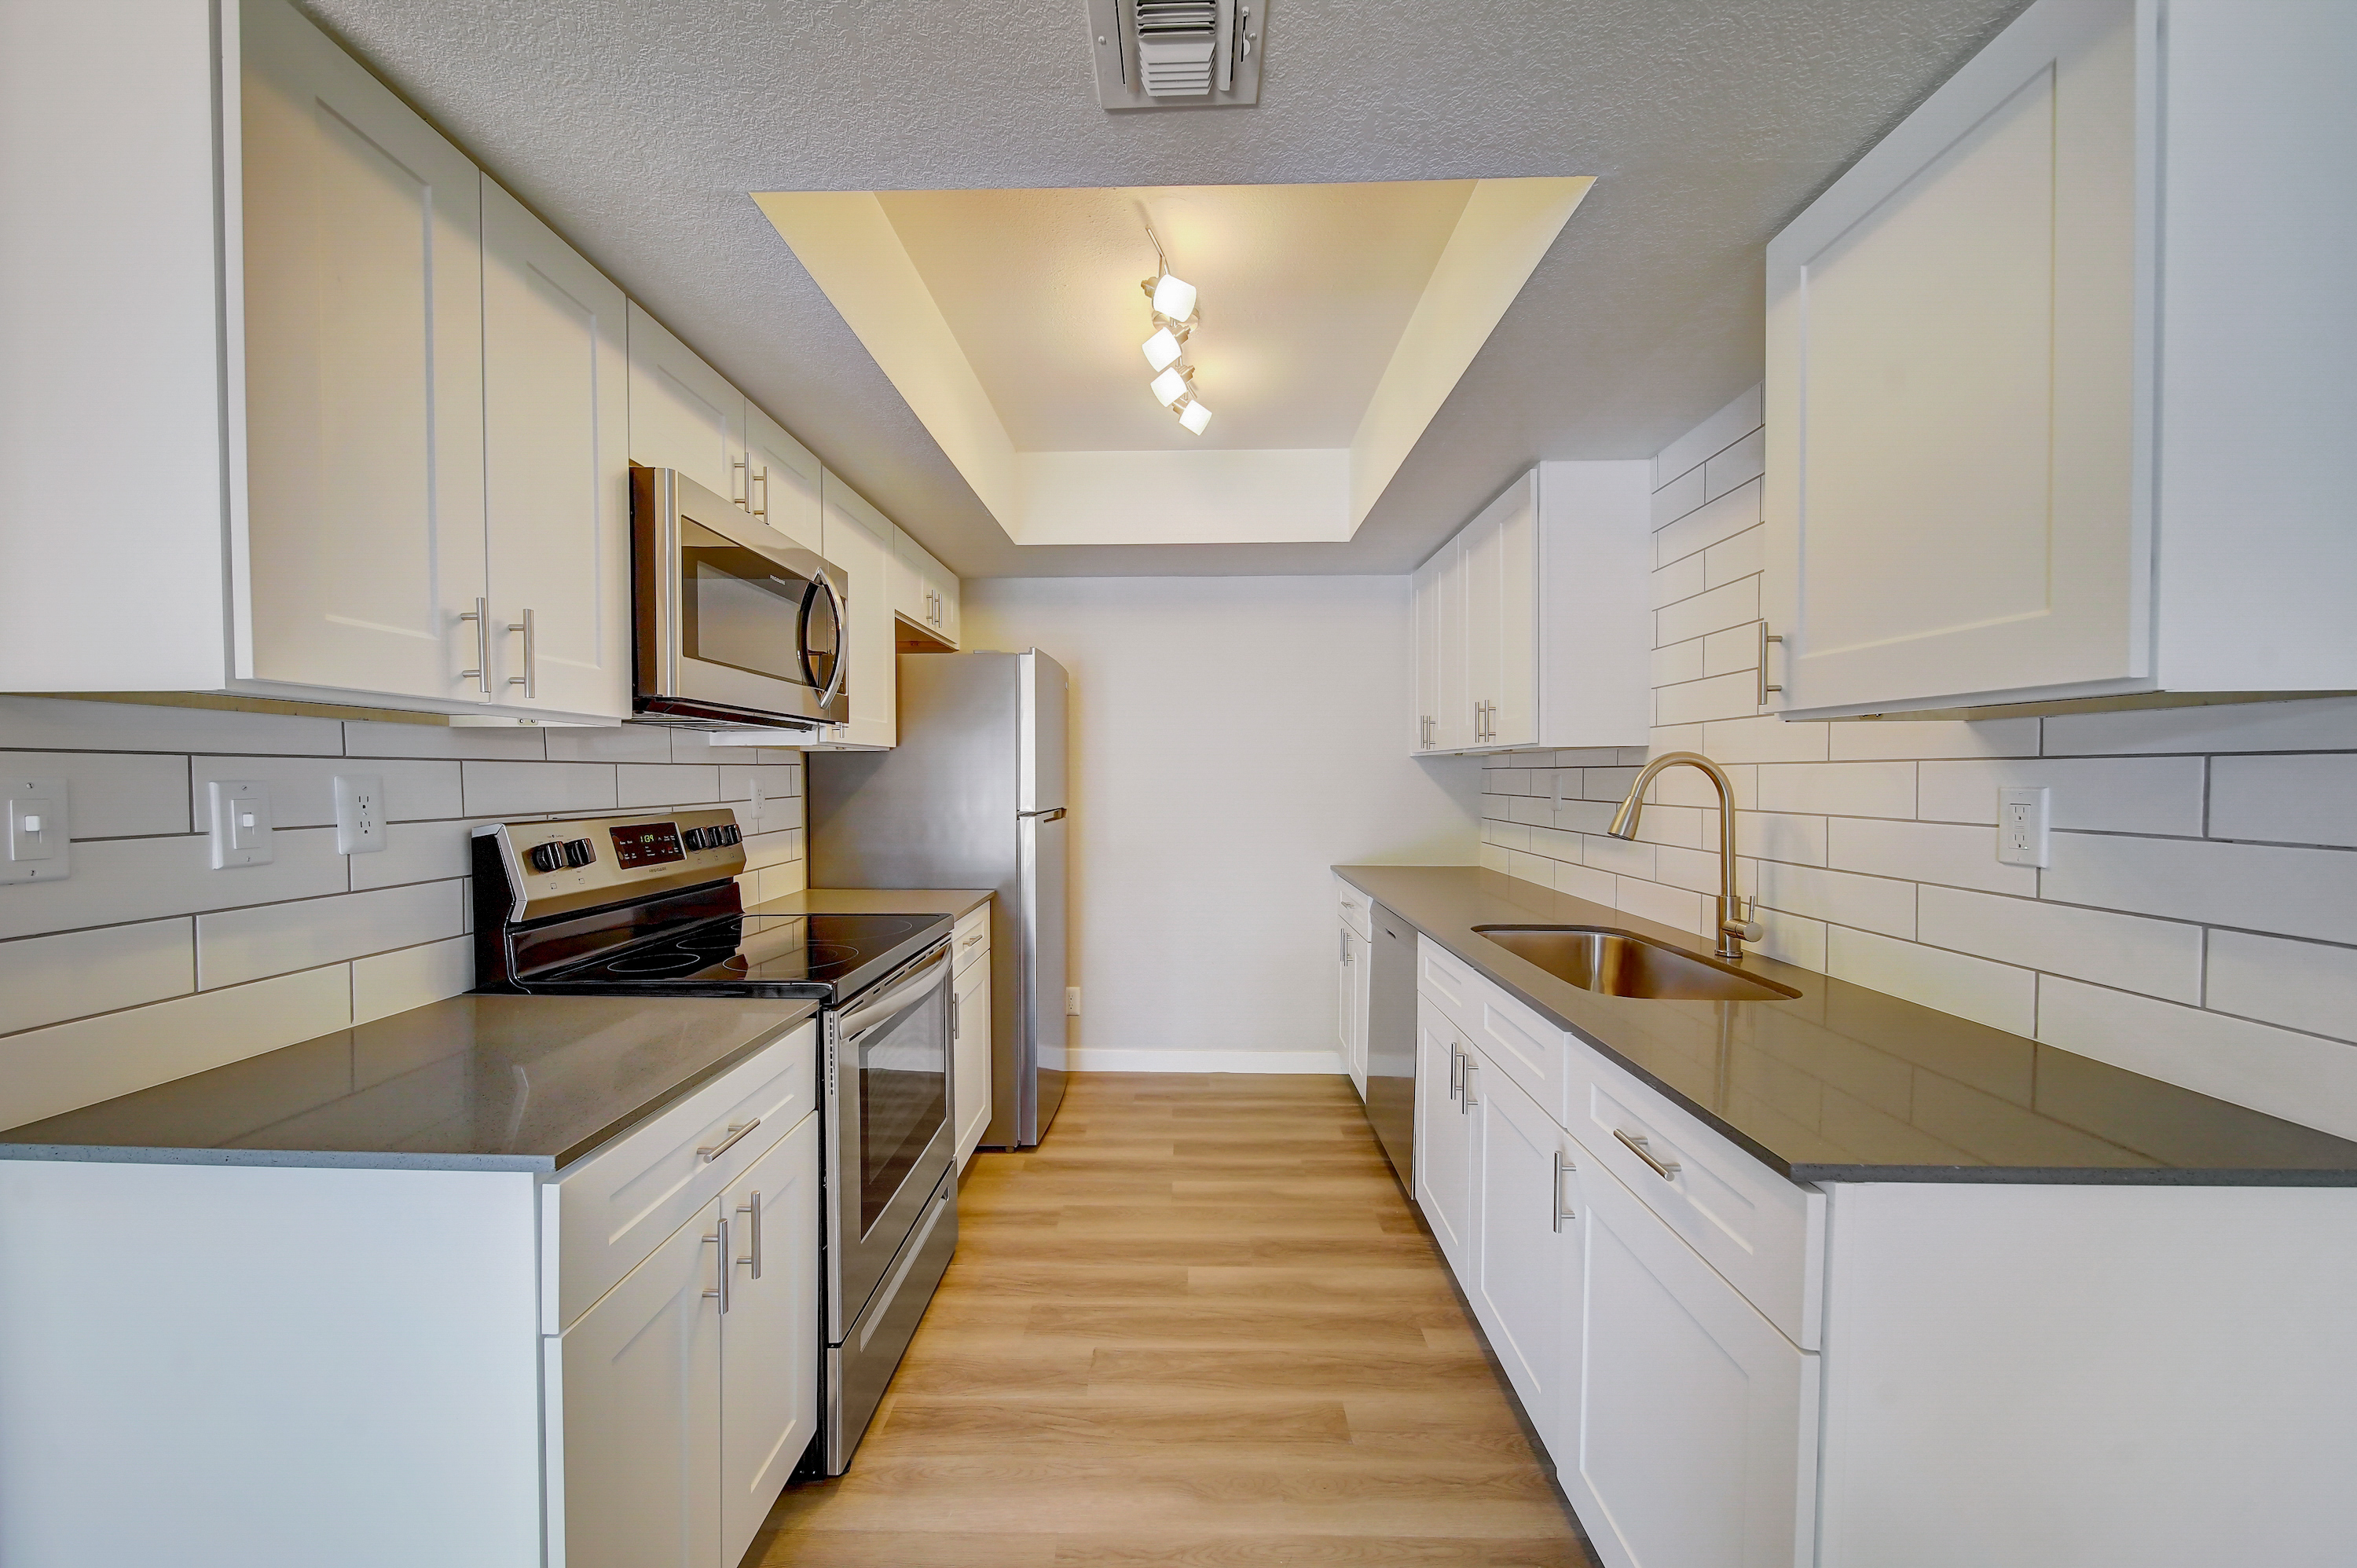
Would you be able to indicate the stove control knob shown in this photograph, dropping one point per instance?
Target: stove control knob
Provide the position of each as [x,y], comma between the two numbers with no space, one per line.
[691,837]
[546,858]
[730,835]
[579,852]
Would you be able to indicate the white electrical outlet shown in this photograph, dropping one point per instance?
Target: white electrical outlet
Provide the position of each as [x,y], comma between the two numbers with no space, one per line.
[1072,1001]
[360,814]
[241,822]
[34,842]
[2021,813]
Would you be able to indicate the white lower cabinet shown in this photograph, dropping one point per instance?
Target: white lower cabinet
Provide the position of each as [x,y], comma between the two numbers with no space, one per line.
[1525,1281]
[1352,1003]
[769,1335]
[1686,1436]
[970,1079]
[1444,1169]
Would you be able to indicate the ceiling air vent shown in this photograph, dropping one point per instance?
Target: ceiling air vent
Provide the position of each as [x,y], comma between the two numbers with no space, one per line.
[1176,54]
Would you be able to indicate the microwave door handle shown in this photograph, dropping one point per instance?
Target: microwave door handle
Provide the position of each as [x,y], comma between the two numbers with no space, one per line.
[866,1015]
[842,660]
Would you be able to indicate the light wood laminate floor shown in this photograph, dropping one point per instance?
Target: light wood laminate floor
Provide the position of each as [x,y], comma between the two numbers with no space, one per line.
[1200,1326]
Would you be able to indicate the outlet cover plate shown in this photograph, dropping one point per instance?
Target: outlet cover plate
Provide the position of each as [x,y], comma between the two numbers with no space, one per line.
[35,841]
[241,822]
[360,814]
[2022,824]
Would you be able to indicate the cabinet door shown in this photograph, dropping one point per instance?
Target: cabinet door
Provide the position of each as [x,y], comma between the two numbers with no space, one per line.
[684,414]
[556,469]
[1485,609]
[858,539]
[969,1084]
[770,1336]
[784,479]
[1444,1178]
[1423,632]
[640,1372]
[1514,581]
[1525,1283]
[1693,1418]
[946,594]
[1952,491]
[1455,730]
[1357,974]
[912,596]
[363,419]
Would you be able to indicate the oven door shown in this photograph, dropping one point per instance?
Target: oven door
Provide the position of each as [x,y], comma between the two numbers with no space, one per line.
[888,1128]
[735,623]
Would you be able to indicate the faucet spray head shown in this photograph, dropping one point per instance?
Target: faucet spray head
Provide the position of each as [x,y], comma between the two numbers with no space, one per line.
[1624,821]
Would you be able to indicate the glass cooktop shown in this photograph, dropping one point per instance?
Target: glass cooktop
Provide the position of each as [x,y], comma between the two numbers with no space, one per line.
[829,956]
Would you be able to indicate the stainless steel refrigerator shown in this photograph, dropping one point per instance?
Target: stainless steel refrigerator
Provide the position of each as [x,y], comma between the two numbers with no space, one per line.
[973,796]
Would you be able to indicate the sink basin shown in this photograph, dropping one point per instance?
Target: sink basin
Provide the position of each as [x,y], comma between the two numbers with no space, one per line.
[1622,963]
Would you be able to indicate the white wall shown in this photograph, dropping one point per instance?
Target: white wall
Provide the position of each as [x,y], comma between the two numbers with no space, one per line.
[2196,923]
[1232,738]
[147,964]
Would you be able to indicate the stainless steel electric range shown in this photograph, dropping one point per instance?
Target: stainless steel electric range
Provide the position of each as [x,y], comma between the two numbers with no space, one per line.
[648,905]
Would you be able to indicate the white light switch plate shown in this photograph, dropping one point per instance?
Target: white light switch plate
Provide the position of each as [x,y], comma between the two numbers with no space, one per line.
[241,822]
[360,814]
[2021,813]
[34,838]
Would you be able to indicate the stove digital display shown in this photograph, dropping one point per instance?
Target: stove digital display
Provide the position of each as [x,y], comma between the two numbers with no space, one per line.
[647,843]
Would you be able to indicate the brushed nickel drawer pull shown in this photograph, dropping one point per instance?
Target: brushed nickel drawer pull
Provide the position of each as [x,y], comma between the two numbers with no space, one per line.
[714,1151]
[1766,637]
[719,1291]
[1561,1213]
[753,1209]
[1665,1169]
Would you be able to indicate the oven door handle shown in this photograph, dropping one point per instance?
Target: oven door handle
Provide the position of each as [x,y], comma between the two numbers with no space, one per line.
[928,974]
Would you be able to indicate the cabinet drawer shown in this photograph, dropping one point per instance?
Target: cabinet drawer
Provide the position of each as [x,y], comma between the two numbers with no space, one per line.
[1763,1233]
[1358,910]
[617,1205]
[1448,980]
[970,939]
[1517,1042]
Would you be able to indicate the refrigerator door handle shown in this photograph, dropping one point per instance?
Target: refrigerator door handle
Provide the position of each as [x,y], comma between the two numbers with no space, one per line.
[1055,815]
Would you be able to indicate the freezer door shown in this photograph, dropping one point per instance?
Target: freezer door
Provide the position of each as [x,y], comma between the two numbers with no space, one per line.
[1037,1063]
[1045,689]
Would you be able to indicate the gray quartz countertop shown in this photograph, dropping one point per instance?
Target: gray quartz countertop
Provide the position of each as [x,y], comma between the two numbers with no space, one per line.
[1847,1084]
[523,1083]
[950,901]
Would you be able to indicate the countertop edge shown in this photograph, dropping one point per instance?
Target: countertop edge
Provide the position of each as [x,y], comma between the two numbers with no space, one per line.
[1815,1173]
[573,1153]
[300,1159]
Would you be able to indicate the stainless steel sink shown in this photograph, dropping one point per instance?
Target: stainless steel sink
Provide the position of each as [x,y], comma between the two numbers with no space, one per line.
[1622,963]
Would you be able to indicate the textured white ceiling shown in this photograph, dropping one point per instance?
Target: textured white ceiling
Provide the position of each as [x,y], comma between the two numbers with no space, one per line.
[637,127]
[1304,290]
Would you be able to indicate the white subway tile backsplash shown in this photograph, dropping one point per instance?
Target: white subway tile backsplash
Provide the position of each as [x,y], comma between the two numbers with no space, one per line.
[1587,881]
[1722,518]
[668,784]
[1678,497]
[45,1071]
[1679,661]
[1530,867]
[1493,858]
[45,980]
[1621,857]
[417,852]
[1844,898]
[1926,852]
[386,983]
[1997,994]
[1776,835]
[1739,418]
[1718,697]
[2301,985]
[1681,580]
[2320,724]
[2297,1077]
[364,737]
[1744,555]
[537,789]
[609,743]
[1765,739]
[2291,892]
[50,724]
[1839,789]
[2285,799]
[303,788]
[1790,939]
[1695,870]
[2110,795]
[238,945]
[1736,649]
[1867,740]
[2159,957]
[119,880]
[113,794]
[1713,609]
[1653,901]
[1742,463]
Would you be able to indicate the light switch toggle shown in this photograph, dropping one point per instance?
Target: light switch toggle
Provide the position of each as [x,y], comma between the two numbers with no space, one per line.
[34,837]
[241,822]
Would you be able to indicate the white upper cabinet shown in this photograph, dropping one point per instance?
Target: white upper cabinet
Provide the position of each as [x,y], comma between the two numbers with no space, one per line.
[783,478]
[924,592]
[363,376]
[684,414]
[2057,373]
[858,539]
[1530,626]
[556,486]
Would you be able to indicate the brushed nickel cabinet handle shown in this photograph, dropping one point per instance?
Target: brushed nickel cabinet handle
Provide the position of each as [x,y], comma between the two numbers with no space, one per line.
[1766,637]
[711,1152]
[1465,1100]
[1665,1169]
[481,616]
[1456,1072]
[1562,1163]
[719,1291]
[752,1210]
[530,679]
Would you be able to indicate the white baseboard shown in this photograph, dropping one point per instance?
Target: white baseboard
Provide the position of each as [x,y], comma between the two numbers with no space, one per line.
[1089,1060]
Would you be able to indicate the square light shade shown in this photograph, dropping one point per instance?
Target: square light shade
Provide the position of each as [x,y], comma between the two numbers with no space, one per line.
[1162,349]
[1174,297]
[1194,417]
[1169,387]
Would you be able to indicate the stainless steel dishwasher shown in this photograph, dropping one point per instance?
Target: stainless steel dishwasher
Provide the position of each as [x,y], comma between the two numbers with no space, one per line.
[1391,1043]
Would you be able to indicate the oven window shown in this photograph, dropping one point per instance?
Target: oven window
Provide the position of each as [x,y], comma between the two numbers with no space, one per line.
[904,1079]
[738,608]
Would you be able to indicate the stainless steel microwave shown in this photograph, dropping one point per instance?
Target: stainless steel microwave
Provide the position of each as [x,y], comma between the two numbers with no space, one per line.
[736,625]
